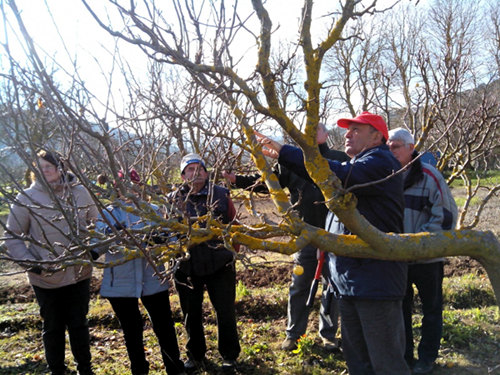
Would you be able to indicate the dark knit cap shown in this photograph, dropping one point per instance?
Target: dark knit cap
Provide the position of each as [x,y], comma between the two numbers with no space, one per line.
[52,157]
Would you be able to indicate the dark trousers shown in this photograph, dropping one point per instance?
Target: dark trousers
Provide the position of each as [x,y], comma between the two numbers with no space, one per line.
[373,337]
[297,311]
[160,314]
[62,308]
[221,287]
[428,278]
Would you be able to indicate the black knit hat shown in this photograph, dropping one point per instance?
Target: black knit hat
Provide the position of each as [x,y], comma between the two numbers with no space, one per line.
[52,157]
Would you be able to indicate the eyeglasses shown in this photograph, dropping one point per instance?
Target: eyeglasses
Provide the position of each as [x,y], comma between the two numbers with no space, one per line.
[394,147]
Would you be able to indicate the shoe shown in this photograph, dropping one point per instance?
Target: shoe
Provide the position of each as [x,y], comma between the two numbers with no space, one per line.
[191,365]
[423,367]
[331,346]
[289,344]
[228,364]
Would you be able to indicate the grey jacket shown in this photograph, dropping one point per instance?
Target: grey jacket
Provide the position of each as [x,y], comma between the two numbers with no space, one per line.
[429,204]
[134,278]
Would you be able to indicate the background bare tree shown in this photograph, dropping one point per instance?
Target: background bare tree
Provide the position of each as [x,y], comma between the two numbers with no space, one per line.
[434,77]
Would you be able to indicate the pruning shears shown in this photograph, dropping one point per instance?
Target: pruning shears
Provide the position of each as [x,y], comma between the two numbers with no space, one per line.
[317,276]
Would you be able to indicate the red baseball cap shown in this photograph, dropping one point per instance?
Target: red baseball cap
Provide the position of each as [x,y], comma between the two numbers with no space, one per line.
[369,119]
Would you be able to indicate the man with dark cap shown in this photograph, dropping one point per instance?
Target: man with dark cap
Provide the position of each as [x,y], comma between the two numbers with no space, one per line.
[210,265]
[370,291]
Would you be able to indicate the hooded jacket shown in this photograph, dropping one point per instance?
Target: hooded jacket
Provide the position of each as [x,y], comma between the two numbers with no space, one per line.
[37,216]
[382,204]
[135,278]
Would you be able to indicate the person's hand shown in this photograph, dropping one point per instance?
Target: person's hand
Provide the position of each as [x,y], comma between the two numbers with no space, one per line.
[270,148]
[229,176]
[321,135]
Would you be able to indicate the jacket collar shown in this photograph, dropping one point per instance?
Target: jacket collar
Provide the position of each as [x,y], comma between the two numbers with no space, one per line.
[382,147]
[186,189]
[415,172]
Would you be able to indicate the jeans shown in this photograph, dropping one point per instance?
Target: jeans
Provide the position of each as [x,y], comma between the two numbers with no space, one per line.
[61,308]
[160,314]
[298,312]
[373,337]
[428,278]
[221,287]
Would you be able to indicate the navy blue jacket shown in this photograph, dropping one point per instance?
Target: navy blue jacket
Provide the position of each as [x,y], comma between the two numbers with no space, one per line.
[207,257]
[382,204]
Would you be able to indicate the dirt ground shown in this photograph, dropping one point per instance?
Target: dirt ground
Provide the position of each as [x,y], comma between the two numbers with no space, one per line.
[16,289]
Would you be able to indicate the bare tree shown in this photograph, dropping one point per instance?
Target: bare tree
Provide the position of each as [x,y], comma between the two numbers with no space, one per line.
[200,41]
[494,40]
[431,79]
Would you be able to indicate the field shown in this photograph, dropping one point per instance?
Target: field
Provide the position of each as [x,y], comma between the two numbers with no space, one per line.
[470,344]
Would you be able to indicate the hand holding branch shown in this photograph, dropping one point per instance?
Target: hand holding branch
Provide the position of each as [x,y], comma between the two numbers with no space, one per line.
[270,148]
[229,176]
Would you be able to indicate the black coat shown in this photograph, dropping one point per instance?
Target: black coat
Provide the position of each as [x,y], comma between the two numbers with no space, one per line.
[303,191]
[207,257]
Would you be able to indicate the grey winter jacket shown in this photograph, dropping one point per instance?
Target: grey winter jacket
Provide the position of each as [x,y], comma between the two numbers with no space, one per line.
[134,278]
[429,204]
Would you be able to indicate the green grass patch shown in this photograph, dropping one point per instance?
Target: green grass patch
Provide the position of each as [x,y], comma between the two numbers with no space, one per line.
[489,178]
[469,345]
[472,329]
[241,291]
[468,291]
[460,201]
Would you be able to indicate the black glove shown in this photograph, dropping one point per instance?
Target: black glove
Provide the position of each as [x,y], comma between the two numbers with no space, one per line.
[159,237]
[36,270]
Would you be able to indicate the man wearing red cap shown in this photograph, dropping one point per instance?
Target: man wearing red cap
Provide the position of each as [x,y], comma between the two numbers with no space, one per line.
[306,198]
[370,291]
